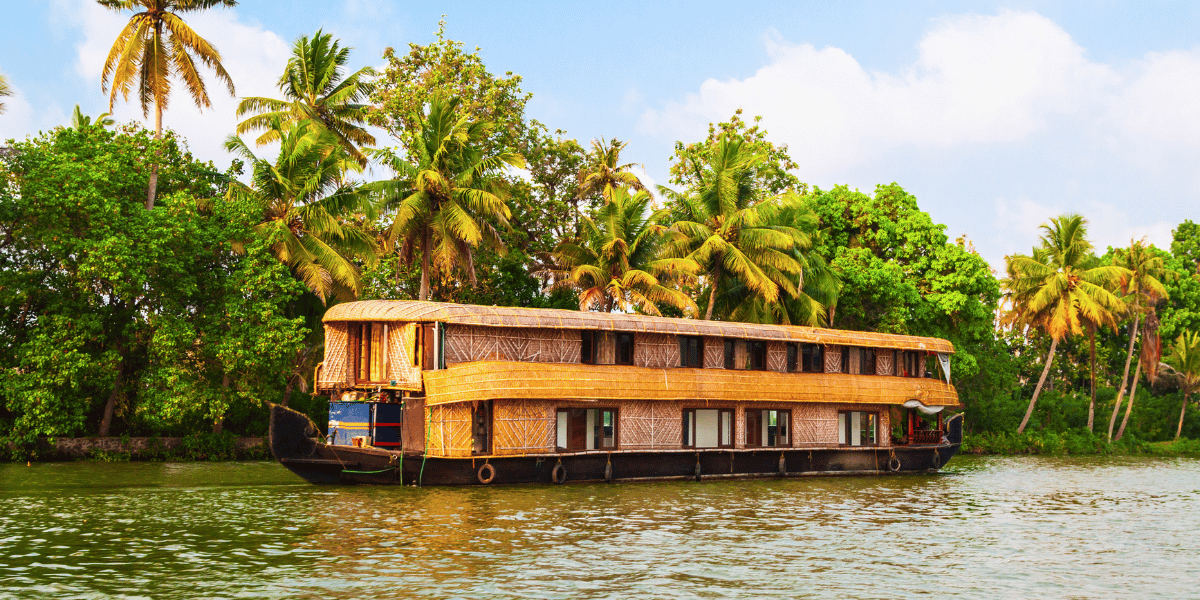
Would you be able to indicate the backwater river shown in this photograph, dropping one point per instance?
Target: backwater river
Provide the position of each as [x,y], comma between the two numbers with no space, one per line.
[1026,527]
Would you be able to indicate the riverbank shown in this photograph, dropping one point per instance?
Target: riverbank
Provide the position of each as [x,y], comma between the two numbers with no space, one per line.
[1071,443]
[196,447]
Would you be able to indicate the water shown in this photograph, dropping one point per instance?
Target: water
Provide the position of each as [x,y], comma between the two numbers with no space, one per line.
[987,528]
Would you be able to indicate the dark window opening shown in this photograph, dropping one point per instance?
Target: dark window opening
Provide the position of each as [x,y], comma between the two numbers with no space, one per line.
[587,354]
[812,358]
[757,358]
[691,352]
[845,359]
[792,351]
[624,348]
[868,361]
[729,354]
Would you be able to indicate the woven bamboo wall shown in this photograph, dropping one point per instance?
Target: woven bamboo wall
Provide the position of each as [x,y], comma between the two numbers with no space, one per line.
[333,373]
[523,426]
[450,430]
[833,359]
[656,350]
[467,343]
[648,425]
[884,365]
[469,382]
[413,434]
[714,353]
[402,343]
[777,357]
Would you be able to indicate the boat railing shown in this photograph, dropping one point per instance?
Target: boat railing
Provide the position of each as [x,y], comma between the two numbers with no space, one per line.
[927,436]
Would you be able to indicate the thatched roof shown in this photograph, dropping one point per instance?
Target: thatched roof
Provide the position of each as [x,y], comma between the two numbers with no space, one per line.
[508,316]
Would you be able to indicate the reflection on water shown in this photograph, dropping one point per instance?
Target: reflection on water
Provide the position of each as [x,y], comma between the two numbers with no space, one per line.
[995,527]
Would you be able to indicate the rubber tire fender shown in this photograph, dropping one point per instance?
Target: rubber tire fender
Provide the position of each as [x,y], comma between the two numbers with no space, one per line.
[608,473]
[697,470]
[937,460]
[782,465]
[894,464]
[558,474]
[489,476]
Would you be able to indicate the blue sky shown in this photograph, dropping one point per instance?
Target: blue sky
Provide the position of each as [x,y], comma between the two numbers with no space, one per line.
[996,115]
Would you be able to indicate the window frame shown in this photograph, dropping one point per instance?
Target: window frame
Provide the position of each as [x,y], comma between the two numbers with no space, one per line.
[756,355]
[757,444]
[876,433]
[587,347]
[364,343]
[730,352]
[598,426]
[793,357]
[868,360]
[845,360]
[687,434]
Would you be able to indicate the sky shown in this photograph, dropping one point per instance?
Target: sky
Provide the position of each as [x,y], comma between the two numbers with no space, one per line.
[996,115]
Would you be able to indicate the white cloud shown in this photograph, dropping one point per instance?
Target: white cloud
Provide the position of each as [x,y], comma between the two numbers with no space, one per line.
[978,79]
[253,56]
[18,114]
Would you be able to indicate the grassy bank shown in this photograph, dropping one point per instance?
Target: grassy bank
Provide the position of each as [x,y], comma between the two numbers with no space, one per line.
[195,447]
[1080,442]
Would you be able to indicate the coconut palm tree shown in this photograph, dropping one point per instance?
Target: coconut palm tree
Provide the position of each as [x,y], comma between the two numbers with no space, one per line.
[605,173]
[1142,288]
[1184,361]
[443,202]
[615,265]
[5,90]
[315,87]
[730,236]
[153,46]
[308,212]
[1052,290]
[80,121]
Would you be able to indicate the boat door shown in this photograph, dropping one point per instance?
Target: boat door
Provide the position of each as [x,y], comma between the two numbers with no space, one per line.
[481,427]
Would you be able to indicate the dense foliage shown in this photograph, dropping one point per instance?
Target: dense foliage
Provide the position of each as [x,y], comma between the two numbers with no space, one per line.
[190,316]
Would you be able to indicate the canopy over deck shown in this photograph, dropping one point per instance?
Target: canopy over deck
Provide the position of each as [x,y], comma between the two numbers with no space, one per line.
[507,316]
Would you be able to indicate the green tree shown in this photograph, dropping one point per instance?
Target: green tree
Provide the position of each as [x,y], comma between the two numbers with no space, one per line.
[724,229]
[1052,290]
[96,289]
[1142,288]
[444,195]
[315,88]
[153,46]
[307,211]
[5,90]
[616,264]
[1184,361]
[604,171]
[770,176]
[80,120]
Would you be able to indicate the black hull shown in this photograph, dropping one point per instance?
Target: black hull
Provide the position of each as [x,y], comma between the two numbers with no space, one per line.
[293,441]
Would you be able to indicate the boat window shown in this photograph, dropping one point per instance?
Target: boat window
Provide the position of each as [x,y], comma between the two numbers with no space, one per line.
[586,429]
[792,352]
[707,428]
[812,358]
[624,348]
[845,359]
[587,352]
[729,344]
[372,352]
[857,428]
[868,361]
[691,351]
[768,428]
[757,356]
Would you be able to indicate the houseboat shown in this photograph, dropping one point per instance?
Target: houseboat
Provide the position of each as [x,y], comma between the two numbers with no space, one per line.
[446,394]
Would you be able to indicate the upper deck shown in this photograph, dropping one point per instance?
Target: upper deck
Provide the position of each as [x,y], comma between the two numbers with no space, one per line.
[452,353]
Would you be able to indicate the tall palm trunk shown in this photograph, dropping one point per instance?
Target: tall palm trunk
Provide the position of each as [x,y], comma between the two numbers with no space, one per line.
[1092,404]
[152,190]
[1137,374]
[1038,389]
[1182,411]
[712,296]
[1124,378]
[425,241]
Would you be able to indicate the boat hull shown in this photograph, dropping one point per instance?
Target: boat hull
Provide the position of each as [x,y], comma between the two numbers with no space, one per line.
[295,444]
